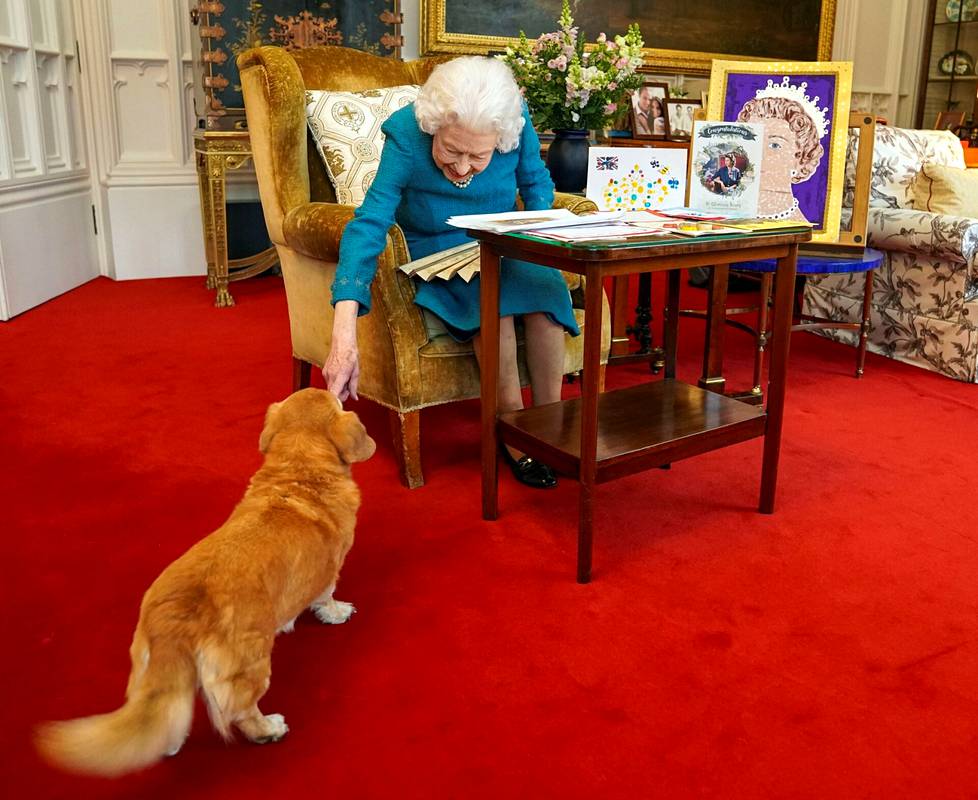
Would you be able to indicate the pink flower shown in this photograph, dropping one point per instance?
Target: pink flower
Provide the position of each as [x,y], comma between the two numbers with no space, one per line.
[622,62]
[612,86]
[611,108]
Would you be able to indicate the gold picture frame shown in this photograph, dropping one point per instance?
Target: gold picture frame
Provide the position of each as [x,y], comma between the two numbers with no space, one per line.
[817,183]
[437,40]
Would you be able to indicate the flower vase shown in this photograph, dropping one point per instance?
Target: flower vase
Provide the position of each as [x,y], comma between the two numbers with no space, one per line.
[567,160]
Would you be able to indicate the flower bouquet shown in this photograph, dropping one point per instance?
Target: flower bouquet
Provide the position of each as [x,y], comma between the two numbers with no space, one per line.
[568,87]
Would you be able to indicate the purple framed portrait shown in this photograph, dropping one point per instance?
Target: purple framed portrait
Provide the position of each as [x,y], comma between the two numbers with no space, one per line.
[799,105]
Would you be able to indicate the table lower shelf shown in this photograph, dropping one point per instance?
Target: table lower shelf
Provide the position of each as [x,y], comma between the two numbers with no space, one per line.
[638,428]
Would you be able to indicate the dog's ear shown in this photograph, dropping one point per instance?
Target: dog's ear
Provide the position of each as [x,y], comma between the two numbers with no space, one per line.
[271,427]
[351,438]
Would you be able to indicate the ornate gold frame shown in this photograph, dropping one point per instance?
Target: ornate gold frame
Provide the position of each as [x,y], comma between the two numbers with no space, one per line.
[436,40]
[840,117]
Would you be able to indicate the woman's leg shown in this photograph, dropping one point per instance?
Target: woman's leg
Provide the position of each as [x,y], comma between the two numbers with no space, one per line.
[544,357]
[528,471]
[510,394]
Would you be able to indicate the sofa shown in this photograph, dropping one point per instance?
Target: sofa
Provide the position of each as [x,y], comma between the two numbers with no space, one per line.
[925,296]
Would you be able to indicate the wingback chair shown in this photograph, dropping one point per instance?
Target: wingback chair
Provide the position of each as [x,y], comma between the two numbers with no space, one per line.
[407,362]
[925,296]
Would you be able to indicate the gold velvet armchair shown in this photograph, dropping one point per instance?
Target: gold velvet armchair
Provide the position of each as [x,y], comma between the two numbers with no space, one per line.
[405,365]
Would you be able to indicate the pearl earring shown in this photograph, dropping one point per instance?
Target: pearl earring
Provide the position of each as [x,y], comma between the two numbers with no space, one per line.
[794,173]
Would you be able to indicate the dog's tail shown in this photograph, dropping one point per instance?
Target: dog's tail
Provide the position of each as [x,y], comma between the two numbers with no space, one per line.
[153,722]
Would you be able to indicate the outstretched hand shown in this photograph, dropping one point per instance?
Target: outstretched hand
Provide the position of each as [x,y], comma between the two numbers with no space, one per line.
[342,368]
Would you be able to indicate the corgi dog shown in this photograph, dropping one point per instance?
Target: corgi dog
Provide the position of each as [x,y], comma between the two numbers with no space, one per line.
[209,620]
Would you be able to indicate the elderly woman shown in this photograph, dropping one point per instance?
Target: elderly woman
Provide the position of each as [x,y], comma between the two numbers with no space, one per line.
[465,146]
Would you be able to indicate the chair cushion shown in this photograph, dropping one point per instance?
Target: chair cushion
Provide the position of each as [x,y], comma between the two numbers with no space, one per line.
[946,190]
[346,129]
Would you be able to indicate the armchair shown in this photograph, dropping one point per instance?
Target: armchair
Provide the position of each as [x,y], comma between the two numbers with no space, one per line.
[407,361]
[925,298]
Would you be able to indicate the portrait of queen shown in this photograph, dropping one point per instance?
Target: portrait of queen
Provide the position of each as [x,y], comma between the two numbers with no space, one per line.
[794,127]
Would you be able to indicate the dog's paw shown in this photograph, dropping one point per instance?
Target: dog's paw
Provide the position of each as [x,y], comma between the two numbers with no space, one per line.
[175,749]
[288,627]
[273,729]
[335,612]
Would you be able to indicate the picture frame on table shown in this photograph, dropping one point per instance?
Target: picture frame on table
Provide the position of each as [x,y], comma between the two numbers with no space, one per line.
[647,110]
[804,106]
[949,121]
[680,113]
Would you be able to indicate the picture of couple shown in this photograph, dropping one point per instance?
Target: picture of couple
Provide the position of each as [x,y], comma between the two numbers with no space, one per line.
[649,110]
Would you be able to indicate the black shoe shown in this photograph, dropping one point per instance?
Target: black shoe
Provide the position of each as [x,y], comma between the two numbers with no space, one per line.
[530,472]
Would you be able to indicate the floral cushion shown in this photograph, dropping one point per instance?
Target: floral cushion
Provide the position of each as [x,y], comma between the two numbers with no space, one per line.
[346,129]
[898,154]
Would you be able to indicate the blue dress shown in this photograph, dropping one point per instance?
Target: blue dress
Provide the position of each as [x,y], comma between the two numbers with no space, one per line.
[410,189]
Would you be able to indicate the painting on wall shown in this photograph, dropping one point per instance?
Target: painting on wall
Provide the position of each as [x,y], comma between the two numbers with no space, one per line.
[804,108]
[679,35]
[229,28]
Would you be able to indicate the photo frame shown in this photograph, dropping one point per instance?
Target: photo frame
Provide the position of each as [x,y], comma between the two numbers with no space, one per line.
[949,121]
[687,38]
[804,106]
[647,110]
[680,114]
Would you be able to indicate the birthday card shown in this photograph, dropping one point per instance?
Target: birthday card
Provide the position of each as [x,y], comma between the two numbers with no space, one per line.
[636,178]
[726,173]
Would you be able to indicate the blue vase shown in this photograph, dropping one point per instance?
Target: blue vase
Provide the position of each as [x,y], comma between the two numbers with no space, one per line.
[567,160]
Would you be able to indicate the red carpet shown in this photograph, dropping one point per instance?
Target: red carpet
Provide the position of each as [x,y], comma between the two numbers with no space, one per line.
[828,651]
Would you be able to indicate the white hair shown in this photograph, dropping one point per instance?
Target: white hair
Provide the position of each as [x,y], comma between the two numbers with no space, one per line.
[476,92]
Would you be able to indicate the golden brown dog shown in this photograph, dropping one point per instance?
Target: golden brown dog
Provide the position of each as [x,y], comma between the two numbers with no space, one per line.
[210,619]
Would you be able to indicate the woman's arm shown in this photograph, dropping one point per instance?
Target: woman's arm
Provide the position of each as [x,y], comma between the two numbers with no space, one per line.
[365,236]
[532,177]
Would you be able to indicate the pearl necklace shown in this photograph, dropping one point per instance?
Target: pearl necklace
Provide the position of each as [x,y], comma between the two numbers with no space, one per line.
[462,184]
[782,214]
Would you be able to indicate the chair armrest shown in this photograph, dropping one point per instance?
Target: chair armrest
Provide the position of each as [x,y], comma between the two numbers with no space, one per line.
[572,202]
[924,233]
[315,229]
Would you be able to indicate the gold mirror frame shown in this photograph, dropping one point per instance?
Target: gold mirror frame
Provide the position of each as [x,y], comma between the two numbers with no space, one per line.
[436,40]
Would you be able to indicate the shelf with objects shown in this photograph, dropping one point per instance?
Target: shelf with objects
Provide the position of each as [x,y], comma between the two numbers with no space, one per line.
[948,75]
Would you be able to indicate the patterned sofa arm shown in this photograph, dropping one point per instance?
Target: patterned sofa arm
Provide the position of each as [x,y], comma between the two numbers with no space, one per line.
[921,232]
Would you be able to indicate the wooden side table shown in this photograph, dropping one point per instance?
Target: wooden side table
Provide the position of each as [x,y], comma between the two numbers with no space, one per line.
[601,437]
[216,152]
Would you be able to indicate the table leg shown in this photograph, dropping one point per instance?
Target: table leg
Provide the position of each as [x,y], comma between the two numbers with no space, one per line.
[670,323]
[784,291]
[643,314]
[716,314]
[619,313]
[590,391]
[215,199]
[206,219]
[489,377]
